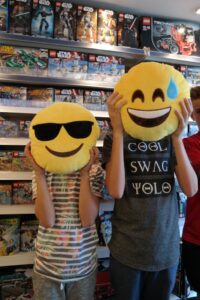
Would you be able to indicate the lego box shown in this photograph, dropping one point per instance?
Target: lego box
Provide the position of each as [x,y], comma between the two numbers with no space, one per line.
[40,97]
[86,24]
[5,160]
[67,64]
[20,162]
[65,20]
[107,27]
[42,22]
[127,30]
[5,194]
[19,16]
[22,192]
[12,95]
[9,236]
[3,15]
[69,95]
[170,36]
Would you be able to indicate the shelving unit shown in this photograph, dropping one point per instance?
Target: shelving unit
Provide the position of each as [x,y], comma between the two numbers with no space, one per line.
[131,57]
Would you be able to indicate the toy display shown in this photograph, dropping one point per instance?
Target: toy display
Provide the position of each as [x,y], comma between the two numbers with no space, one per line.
[70,65]
[22,192]
[107,27]
[65,20]
[5,160]
[19,16]
[86,24]
[3,15]
[127,30]
[106,68]
[170,36]
[152,91]
[104,126]
[5,194]
[28,230]
[23,128]
[42,23]
[92,99]
[57,143]
[22,60]
[40,97]
[192,74]
[69,95]
[9,236]
[12,95]
[20,162]
[8,128]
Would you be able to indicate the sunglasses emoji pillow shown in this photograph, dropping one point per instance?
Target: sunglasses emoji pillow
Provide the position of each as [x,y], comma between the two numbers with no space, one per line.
[153,92]
[62,135]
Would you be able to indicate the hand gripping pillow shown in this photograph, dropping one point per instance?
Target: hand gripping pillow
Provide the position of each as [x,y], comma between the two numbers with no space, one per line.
[153,91]
[61,137]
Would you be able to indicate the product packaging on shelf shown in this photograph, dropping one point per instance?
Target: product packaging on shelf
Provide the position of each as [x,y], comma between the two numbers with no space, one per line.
[39,97]
[107,26]
[20,16]
[22,192]
[5,194]
[127,30]
[3,15]
[69,95]
[12,95]
[170,36]
[86,24]
[42,23]
[192,74]
[65,20]
[9,236]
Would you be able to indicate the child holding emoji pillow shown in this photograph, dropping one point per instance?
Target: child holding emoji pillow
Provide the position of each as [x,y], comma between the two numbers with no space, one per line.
[67,186]
[140,165]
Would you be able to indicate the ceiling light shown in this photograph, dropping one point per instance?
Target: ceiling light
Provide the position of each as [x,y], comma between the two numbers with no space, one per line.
[198,11]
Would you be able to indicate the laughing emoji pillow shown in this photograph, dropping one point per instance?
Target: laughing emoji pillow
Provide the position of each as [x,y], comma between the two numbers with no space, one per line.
[152,91]
[61,137]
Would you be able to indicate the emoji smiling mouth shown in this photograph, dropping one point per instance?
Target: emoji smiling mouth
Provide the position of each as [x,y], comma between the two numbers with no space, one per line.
[64,154]
[149,118]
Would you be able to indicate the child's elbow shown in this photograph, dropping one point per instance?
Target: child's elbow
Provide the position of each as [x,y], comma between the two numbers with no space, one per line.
[116,194]
[87,223]
[192,191]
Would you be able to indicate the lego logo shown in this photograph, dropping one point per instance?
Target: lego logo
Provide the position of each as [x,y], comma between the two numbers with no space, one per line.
[146,21]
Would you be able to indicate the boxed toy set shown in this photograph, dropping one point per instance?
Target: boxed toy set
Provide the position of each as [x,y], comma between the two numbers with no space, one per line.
[22,60]
[22,192]
[170,36]
[192,74]
[92,99]
[8,128]
[5,160]
[67,64]
[39,97]
[5,194]
[107,26]
[28,233]
[42,22]
[65,20]
[20,162]
[12,95]
[69,95]
[20,16]
[3,15]
[106,68]
[127,30]
[9,236]
[86,30]
[24,128]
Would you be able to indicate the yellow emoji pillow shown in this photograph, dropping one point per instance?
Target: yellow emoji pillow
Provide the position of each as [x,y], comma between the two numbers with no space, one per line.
[61,137]
[153,91]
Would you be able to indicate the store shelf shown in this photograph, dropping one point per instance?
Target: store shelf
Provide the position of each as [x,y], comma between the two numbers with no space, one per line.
[22,258]
[9,175]
[13,141]
[54,81]
[100,49]
[20,209]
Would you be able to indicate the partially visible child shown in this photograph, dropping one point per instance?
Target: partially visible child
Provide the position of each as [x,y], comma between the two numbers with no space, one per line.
[66,206]
[191,231]
[145,236]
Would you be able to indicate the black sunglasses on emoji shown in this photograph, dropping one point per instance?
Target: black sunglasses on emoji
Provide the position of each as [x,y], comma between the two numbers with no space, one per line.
[76,129]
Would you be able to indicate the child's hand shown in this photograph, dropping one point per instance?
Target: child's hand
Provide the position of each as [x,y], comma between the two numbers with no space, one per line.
[94,159]
[183,116]
[36,168]
[114,108]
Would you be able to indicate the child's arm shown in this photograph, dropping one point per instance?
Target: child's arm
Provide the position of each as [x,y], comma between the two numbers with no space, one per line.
[88,202]
[115,172]
[184,171]
[44,208]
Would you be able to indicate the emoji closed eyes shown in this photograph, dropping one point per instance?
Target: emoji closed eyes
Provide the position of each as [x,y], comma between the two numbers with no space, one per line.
[62,136]
[153,92]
